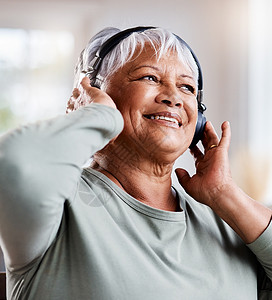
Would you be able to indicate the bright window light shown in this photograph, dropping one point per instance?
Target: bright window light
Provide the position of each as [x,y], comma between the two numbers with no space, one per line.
[36,72]
[260,80]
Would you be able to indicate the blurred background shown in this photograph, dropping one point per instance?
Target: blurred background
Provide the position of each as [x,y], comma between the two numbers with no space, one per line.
[40,41]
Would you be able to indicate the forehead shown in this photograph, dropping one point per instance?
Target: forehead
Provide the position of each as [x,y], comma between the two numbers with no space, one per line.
[148,55]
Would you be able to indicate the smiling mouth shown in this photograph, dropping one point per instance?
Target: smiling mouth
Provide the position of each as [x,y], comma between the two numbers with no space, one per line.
[164,118]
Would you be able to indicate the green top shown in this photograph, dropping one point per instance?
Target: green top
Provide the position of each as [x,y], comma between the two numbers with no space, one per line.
[68,234]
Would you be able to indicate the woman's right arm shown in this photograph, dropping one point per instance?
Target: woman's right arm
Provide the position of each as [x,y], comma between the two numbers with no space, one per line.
[40,166]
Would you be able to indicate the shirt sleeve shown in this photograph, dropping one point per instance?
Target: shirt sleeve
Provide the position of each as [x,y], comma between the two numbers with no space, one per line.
[262,248]
[40,165]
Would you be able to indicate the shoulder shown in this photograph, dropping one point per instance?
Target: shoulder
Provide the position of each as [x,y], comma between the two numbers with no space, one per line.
[205,222]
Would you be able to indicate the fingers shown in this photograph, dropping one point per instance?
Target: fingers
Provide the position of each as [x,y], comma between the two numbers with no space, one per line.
[85,82]
[197,154]
[226,135]
[76,93]
[72,103]
[90,90]
[80,96]
[210,136]
[95,94]
[87,94]
[183,177]
[210,139]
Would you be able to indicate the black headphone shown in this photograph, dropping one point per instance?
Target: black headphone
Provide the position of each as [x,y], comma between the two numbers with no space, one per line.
[109,44]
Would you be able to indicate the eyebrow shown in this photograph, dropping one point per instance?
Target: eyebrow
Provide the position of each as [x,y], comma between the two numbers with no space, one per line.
[143,66]
[157,69]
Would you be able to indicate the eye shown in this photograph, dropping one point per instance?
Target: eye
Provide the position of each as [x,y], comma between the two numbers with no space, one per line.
[188,88]
[149,78]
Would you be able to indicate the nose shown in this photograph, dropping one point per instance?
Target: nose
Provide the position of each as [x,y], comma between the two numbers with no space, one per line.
[172,103]
[170,96]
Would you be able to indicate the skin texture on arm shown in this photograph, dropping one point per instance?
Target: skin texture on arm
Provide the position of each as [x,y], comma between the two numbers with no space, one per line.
[213,185]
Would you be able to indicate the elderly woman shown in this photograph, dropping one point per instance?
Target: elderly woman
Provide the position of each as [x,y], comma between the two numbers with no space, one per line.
[118,229]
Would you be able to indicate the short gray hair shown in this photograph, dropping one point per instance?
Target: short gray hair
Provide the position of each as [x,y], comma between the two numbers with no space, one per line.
[160,39]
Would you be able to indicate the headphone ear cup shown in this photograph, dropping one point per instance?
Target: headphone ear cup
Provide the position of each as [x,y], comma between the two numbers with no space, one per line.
[95,83]
[93,80]
[199,130]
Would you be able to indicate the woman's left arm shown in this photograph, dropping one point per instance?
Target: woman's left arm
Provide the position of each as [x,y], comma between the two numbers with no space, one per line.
[213,185]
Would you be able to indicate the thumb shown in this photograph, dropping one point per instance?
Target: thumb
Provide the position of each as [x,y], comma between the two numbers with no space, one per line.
[85,82]
[183,177]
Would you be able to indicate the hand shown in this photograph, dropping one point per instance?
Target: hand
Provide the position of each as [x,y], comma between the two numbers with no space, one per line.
[213,176]
[88,94]
[213,185]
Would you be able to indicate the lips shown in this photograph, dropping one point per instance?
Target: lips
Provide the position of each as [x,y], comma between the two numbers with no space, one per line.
[165,116]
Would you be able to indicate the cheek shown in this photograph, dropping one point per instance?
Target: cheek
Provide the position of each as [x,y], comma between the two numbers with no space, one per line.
[191,110]
[133,100]
[195,116]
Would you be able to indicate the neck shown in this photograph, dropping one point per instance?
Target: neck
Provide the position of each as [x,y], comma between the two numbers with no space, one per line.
[147,181]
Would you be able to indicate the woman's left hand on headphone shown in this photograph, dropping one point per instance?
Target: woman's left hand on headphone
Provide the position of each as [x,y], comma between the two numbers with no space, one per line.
[213,177]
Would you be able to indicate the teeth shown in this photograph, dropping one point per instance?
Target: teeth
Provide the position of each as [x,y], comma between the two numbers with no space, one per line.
[164,118]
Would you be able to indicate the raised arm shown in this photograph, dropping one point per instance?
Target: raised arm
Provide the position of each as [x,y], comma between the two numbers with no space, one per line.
[213,185]
[40,166]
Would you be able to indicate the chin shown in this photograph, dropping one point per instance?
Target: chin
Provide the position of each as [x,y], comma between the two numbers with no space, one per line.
[167,150]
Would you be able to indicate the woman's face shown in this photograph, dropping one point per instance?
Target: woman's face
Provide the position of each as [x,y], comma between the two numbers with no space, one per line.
[157,99]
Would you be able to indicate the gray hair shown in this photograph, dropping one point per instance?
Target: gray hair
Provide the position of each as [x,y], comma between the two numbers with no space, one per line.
[160,39]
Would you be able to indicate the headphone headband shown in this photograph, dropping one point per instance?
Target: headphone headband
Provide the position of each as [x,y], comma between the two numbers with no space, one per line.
[117,38]
[113,41]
